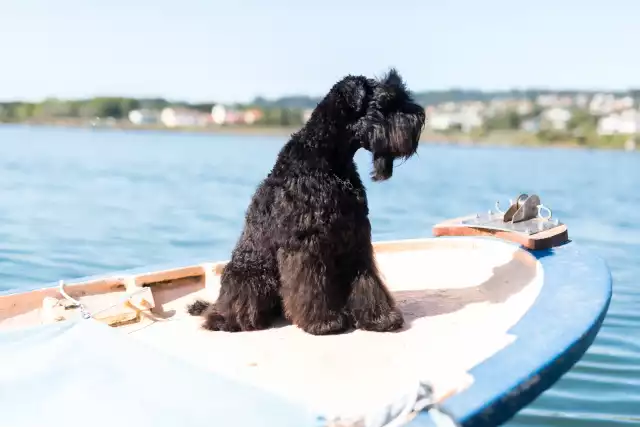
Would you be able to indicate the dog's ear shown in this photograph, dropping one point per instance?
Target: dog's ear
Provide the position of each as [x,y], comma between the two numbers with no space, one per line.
[354,91]
[393,80]
[392,88]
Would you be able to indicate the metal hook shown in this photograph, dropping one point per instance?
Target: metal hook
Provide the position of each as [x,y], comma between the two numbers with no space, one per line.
[542,207]
[497,206]
[525,215]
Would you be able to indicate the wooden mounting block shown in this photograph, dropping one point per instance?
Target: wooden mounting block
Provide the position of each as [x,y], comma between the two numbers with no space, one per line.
[542,240]
[523,223]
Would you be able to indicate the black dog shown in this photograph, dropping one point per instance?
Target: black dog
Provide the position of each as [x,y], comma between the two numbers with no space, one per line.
[306,250]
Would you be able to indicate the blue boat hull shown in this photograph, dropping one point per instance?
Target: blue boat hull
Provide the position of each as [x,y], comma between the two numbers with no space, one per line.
[551,337]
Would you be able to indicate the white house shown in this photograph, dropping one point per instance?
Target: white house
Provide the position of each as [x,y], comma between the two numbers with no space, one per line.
[440,121]
[469,119]
[143,116]
[547,100]
[581,101]
[218,114]
[524,107]
[531,125]
[601,103]
[176,117]
[624,103]
[252,115]
[557,117]
[626,122]
[234,117]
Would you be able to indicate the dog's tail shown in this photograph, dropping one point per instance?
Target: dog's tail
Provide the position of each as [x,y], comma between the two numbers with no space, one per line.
[198,307]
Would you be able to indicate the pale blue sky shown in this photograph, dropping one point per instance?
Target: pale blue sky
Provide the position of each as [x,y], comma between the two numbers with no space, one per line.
[237,49]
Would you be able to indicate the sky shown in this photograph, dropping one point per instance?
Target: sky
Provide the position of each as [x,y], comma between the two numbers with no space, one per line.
[234,50]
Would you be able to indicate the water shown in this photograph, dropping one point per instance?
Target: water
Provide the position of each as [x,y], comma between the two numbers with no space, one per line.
[83,202]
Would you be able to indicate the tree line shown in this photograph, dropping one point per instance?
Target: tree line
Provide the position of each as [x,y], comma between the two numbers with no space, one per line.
[119,108]
[284,111]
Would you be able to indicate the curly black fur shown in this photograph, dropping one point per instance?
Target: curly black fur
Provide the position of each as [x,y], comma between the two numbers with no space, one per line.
[198,307]
[305,251]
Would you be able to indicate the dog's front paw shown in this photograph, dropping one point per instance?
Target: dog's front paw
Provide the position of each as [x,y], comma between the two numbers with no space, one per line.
[333,325]
[387,322]
[214,321]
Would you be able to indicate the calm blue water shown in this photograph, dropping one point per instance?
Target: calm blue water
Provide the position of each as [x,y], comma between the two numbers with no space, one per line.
[82,202]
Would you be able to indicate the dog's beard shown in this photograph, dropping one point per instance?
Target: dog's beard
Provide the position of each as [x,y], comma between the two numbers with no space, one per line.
[382,167]
[398,139]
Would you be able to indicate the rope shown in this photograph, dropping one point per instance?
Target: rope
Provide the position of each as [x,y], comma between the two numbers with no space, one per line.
[396,414]
[83,310]
[438,415]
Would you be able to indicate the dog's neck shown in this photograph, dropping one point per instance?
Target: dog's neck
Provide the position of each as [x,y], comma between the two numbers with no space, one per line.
[327,141]
[331,155]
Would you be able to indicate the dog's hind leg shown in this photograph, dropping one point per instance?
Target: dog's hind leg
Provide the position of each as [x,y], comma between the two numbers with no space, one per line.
[249,298]
[371,305]
[313,297]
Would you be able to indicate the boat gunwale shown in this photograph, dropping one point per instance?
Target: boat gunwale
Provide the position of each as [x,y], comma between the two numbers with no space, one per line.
[574,278]
[154,274]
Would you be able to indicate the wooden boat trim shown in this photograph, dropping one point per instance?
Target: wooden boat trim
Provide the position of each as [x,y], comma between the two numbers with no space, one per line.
[15,303]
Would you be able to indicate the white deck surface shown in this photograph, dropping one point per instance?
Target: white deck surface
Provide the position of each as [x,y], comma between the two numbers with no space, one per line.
[459,299]
[458,303]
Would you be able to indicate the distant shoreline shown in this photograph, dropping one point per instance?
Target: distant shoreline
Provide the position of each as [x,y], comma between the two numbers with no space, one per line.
[511,138]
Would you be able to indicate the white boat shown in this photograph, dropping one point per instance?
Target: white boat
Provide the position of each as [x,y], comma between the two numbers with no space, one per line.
[491,324]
